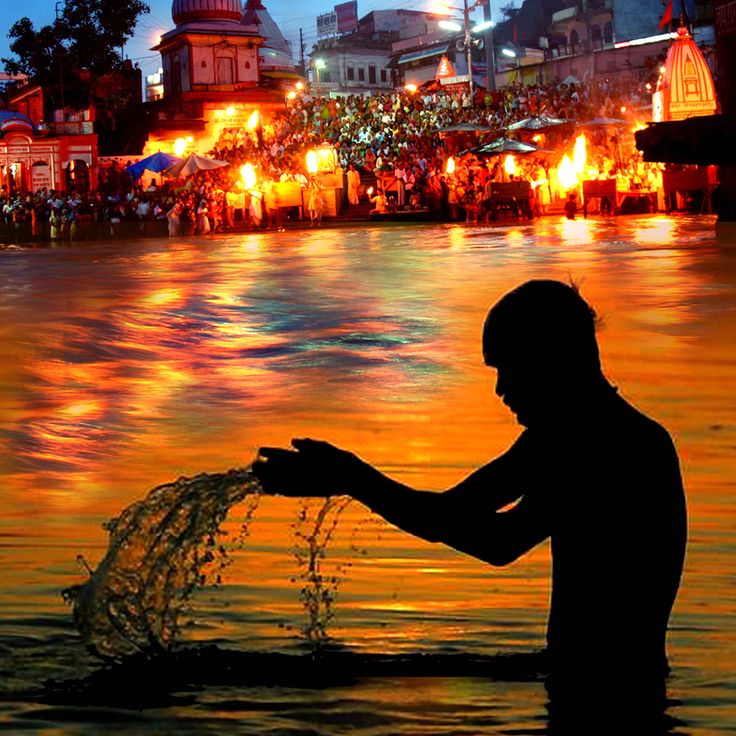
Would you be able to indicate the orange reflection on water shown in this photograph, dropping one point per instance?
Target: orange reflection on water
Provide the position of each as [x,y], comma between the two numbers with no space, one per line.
[658,230]
[577,232]
[187,356]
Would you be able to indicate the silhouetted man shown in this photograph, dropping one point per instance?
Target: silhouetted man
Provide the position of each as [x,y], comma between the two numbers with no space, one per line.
[589,471]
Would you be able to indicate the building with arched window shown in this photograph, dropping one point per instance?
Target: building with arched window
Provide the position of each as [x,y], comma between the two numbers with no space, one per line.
[209,49]
[34,155]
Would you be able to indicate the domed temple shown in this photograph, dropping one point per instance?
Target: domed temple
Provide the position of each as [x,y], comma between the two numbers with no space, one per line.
[275,54]
[220,63]
[209,49]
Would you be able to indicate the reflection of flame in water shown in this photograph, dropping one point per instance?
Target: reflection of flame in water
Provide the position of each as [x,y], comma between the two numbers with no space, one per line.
[126,367]
[457,237]
[161,549]
[577,232]
[515,236]
[660,230]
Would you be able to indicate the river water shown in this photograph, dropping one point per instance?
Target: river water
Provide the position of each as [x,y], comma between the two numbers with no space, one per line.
[128,364]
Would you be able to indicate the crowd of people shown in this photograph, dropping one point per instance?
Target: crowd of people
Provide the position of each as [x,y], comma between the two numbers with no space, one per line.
[397,138]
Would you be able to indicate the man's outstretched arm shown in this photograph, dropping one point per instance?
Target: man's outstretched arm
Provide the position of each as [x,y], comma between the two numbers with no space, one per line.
[466,517]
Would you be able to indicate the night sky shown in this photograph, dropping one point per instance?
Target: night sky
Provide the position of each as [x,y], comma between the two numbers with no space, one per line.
[289,14]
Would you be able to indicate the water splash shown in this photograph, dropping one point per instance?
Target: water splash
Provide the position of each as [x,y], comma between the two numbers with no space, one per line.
[161,549]
[319,588]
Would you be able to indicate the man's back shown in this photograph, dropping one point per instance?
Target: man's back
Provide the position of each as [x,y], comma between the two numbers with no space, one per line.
[616,508]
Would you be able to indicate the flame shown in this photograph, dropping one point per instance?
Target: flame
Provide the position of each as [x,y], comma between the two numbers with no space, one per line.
[370,191]
[248,175]
[566,173]
[253,120]
[326,159]
[638,126]
[312,162]
[180,145]
[509,165]
[450,166]
[579,155]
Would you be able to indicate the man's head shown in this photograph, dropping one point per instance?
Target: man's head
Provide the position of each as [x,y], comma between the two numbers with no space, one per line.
[541,339]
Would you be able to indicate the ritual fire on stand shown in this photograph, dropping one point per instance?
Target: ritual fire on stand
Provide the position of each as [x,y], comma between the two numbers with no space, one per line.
[569,171]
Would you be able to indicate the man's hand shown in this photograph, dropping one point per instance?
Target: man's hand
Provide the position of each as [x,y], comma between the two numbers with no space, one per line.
[312,468]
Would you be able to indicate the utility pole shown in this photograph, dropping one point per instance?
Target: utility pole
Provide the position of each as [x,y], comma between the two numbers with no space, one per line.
[468,45]
[58,54]
[301,52]
[490,54]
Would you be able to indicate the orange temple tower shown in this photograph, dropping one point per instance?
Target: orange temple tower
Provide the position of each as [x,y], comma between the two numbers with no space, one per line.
[685,87]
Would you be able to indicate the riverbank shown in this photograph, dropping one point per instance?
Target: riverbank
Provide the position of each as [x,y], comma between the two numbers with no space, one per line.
[24,234]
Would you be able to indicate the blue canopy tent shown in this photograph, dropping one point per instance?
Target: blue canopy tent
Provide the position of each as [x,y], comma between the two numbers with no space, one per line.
[156,162]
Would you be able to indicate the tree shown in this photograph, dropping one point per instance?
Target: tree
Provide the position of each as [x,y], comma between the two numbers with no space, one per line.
[509,11]
[84,43]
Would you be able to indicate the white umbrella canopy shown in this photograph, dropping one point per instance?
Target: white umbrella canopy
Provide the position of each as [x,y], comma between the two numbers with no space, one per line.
[538,122]
[194,163]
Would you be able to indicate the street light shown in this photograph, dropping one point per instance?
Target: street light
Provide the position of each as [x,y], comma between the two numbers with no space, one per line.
[485,26]
[511,54]
[318,64]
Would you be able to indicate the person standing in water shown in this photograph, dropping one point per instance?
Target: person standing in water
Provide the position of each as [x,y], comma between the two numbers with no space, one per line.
[589,471]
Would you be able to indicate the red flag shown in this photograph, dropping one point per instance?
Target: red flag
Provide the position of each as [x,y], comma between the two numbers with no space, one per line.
[667,16]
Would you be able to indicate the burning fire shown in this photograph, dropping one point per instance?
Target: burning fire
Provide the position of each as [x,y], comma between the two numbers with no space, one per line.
[566,173]
[370,191]
[312,162]
[248,175]
[450,166]
[638,126]
[579,154]
[509,165]
[253,120]
[181,145]
[569,170]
